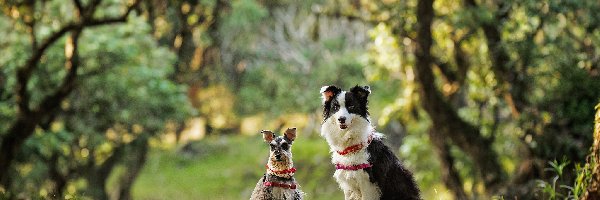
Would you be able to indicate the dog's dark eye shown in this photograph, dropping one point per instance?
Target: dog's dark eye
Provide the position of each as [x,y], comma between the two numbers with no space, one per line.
[335,106]
[350,107]
[272,146]
[285,146]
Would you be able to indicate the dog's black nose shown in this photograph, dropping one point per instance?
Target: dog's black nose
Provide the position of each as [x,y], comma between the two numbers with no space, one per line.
[342,119]
[278,157]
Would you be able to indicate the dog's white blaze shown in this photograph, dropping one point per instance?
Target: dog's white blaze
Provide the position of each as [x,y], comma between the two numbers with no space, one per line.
[355,184]
[343,111]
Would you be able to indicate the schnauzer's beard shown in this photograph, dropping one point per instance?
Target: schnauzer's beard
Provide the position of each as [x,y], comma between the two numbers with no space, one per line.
[284,163]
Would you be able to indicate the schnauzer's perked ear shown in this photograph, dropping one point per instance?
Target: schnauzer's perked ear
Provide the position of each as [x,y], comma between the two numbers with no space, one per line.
[290,134]
[361,91]
[268,135]
[329,91]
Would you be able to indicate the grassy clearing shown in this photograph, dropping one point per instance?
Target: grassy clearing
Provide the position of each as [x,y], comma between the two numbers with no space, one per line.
[228,167]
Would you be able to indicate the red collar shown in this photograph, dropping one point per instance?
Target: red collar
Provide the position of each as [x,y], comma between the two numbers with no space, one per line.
[285,171]
[356,147]
[281,185]
[353,167]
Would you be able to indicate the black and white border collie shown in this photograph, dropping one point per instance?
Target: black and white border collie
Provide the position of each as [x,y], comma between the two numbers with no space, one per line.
[365,167]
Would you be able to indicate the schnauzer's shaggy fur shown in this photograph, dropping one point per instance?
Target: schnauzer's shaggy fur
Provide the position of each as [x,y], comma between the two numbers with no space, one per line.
[278,183]
[365,167]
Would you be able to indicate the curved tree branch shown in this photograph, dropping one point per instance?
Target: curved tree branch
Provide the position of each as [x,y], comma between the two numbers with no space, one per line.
[79,6]
[24,73]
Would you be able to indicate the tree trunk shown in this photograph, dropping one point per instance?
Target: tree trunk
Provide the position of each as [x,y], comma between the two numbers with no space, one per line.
[96,187]
[184,44]
[450,176]
[211,55]
[11,143]
[444,118]
[593,190]
[134,167]
[98,175]
[60,180]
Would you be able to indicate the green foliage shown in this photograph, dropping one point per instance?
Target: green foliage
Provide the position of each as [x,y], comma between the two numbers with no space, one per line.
[146,97]
[418,155]
[239,29]
[291,56]
[553,189]
[123,89]
[272,90]
[10,59]
[550,188]
[584,177]
[245,15]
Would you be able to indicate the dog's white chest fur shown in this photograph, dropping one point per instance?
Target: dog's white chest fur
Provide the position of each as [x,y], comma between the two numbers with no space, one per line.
[355,183]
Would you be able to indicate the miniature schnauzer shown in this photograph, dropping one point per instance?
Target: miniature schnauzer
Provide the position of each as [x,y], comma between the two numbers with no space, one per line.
[278,183]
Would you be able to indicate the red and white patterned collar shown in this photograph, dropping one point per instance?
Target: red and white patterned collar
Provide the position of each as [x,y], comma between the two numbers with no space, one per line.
[281,185]
[289,172]
[357,147]
[353,149]
[353,167]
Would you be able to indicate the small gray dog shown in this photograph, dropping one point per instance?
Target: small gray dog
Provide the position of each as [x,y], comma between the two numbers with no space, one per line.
[278,182]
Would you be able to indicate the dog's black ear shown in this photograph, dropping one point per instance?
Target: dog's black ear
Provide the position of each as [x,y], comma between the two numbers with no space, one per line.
[268,135]
[329,92]
[361,91]
[290,134]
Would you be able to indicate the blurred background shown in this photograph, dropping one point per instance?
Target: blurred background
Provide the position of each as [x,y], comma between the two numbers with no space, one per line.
[162,99]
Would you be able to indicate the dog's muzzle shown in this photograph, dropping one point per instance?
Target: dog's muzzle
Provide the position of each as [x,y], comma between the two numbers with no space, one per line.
[342,121]
[343,126]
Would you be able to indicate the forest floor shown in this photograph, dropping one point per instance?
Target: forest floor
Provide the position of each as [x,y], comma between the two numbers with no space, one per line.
[228,167]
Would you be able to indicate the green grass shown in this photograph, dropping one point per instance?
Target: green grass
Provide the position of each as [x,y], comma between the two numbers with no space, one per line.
[228,167]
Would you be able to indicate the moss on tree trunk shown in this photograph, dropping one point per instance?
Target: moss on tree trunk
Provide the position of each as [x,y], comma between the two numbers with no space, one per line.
[593,189]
